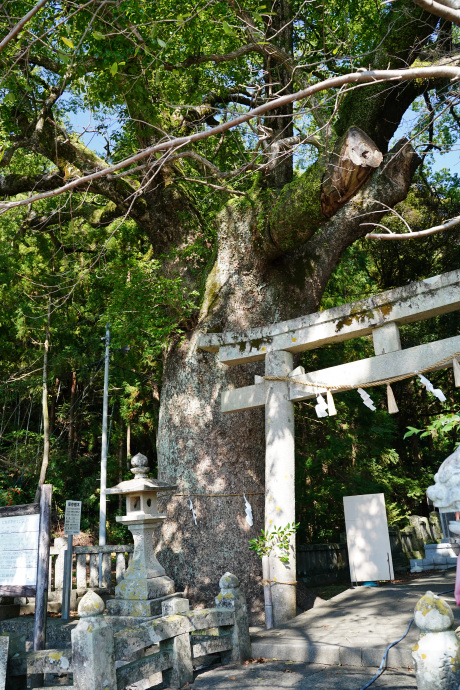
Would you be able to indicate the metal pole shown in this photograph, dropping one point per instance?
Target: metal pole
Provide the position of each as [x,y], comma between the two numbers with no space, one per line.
[105,408]
[67,584]
[267,593]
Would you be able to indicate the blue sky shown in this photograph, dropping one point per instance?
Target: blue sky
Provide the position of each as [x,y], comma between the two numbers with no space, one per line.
[449,160]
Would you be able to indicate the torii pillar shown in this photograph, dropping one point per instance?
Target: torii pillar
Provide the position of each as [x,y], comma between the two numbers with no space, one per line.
[279,480]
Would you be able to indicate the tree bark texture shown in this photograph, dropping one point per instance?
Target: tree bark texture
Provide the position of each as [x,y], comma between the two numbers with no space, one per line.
[206,452]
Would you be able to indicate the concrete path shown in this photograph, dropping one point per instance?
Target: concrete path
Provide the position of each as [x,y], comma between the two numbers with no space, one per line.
[276,674]
[352,629]
[355,627]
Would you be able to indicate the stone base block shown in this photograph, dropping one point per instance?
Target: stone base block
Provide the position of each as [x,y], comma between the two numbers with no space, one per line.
[437,557]
[446,549]
[138,607]
[132,588]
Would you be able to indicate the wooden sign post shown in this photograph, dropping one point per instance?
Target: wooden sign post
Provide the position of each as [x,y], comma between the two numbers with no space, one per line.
[71,527]
[24,556]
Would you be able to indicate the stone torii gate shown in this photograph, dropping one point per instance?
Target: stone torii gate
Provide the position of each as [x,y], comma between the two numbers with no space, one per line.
[380,316]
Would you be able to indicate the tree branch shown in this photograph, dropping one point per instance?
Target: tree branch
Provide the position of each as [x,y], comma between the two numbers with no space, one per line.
[390,184]
[214,169]
[217,57]
[411,235]
[16,29]
[96,216]
[13,184]
[356,78]
[445,11]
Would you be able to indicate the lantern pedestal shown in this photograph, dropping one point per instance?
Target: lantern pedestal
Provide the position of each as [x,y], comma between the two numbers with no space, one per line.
[145,584]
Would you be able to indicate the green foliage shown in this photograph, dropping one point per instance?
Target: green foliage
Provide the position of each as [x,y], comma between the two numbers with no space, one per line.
[276,540]
[441,426]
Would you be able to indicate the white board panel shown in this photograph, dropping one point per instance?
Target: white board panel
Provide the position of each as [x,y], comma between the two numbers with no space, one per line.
[19,550]
[368,541]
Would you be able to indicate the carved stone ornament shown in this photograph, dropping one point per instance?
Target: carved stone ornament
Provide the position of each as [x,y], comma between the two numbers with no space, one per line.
[445,492]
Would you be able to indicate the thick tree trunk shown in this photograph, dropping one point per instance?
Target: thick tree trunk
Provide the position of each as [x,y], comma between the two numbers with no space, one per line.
[208,453]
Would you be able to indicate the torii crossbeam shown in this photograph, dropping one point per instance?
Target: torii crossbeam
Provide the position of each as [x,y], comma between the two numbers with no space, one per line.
[380,316]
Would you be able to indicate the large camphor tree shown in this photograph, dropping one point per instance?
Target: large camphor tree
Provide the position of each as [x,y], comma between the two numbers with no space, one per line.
[249,143]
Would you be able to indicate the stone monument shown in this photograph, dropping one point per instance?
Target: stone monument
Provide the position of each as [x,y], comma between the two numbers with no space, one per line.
[145,584]
[445,495]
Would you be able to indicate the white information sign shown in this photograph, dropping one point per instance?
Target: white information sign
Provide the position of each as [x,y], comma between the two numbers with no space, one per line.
[368,541]
[72,517]
[19,550]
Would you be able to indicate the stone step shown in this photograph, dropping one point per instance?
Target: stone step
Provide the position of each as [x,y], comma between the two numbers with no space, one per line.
[302,651]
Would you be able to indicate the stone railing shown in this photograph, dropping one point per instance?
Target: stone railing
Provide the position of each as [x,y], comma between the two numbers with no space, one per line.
[85,576]
[85,569]
[106,655]
[85,564]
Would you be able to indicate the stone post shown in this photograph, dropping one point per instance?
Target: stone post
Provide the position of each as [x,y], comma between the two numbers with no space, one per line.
[435,525]
[180,647]
[93,658]
[231,597]
[181,672]
[437,654]
[279,480]
[60,543]
[172,607]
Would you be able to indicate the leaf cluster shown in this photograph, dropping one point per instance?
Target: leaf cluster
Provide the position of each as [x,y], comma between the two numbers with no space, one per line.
[275,540]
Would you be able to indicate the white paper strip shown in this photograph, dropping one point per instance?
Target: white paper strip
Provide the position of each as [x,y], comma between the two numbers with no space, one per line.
[366,398]
[321,407]
[437,392]
[248,511]
[192,509]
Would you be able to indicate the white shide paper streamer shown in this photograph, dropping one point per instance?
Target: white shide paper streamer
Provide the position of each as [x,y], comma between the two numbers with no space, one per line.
[321,407]
[248,511]
[437,392]
[192,509]
[366,398]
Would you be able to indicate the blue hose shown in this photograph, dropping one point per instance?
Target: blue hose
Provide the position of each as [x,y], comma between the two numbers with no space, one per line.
[382,664]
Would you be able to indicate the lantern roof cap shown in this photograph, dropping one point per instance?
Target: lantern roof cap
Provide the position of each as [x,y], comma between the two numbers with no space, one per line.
[140,483]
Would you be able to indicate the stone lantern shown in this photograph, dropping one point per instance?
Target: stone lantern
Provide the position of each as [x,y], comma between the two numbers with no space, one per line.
[145,584]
